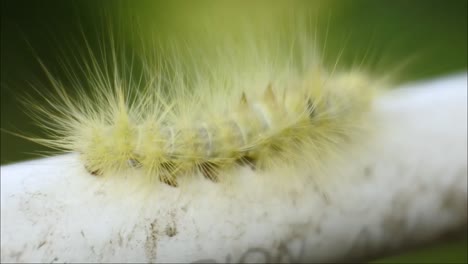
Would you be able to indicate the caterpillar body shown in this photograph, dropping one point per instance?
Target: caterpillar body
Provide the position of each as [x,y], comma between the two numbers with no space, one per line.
[257,109]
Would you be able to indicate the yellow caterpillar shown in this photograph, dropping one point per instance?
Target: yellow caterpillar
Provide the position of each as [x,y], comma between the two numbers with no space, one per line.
[258,106]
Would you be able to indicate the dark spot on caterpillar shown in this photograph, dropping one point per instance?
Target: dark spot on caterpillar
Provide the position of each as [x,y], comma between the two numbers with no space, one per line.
[134,163]
[93,172]
[167,174]
[208,169]
[310,108]
[169,180]
[96,172]
[248,161]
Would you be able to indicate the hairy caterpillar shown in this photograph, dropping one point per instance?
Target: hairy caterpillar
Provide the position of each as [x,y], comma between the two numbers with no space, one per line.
[260,105]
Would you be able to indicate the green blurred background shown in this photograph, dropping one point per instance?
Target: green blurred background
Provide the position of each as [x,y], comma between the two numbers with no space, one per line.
[428,37]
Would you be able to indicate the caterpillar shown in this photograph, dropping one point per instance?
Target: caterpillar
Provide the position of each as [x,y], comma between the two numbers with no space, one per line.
[256,107]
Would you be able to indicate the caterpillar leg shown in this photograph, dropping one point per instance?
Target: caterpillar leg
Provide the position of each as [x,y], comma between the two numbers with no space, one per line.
[209,170]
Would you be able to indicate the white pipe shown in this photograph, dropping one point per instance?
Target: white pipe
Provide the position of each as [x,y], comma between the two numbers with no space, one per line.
[407,186]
